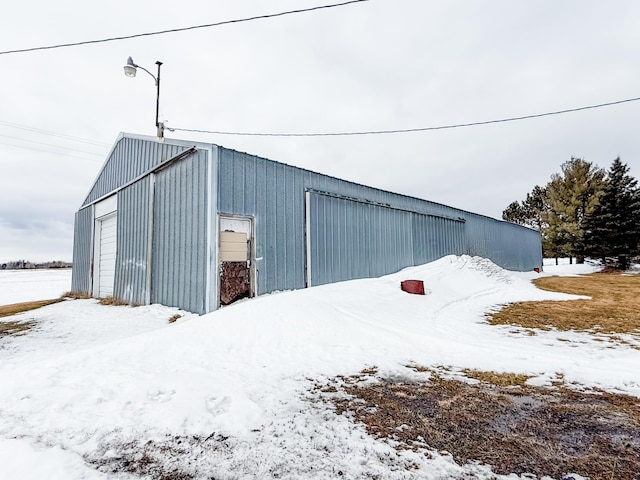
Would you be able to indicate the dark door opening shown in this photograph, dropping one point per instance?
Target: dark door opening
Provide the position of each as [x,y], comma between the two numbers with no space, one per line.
[236,259]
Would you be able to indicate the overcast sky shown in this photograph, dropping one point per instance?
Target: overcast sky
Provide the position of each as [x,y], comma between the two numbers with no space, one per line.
[380,64]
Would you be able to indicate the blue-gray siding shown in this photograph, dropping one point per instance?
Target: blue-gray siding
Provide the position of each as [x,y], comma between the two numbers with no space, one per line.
[434,237]
[82,248]
[180,258]
[355,231]
[176,197]
[133,243]
[511,246]
[130,158]
[274,193]
[350,239]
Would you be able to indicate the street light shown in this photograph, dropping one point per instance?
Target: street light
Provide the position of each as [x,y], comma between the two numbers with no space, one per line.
[130,70]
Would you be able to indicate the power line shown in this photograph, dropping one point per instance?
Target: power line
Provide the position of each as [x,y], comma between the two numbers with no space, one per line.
[402,130]
[46,151]
[53,134]
[183,29]
[49,145]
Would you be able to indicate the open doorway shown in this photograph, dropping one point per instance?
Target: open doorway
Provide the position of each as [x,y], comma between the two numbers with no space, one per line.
[236,259]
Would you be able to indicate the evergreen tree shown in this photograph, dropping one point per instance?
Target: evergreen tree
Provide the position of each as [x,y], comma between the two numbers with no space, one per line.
[613,228]
[572,196]
[535,206]
[529,212]
[514,213]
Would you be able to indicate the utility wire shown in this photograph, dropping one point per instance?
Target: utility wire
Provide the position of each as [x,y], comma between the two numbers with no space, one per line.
[402,130]
[53,134]
[183,29]
[50,145]
[47,151]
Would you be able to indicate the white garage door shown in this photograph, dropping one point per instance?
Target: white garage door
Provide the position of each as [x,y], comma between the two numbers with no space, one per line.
[107,255]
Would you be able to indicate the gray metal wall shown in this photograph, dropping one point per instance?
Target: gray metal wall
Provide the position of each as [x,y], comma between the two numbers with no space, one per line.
[82,248]
[133,243]
[180,258]
[350,239]
[394,229]
[174,272]
[511,246]
[274,194]
[130,158]
[435,237]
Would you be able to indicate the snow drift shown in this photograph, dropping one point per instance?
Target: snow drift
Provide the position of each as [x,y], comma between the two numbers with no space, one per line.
[244,374]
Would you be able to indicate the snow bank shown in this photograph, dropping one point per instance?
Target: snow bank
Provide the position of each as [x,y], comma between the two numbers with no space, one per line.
[18,286]
[245,373]
[565,268]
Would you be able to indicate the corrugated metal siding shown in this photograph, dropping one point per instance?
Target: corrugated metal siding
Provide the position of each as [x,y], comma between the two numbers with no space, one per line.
[435,237]
[274,194]
[82,247]
[133,241]
[511,246]
[130,158]
[350,239]
[180,257]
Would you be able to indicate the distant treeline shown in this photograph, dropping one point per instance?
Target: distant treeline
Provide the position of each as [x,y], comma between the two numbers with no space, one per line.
[26,265]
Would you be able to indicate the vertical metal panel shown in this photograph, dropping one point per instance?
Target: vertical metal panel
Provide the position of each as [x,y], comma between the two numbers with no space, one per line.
[351,239]
[130,158]
[274,194]
[511,246]
[211,286]
[409,231]
[434,237]
[133,242]
[180,258]
[82,246]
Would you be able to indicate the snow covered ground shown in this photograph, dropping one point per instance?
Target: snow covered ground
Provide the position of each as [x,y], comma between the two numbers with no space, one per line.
[28,285]
[229,395]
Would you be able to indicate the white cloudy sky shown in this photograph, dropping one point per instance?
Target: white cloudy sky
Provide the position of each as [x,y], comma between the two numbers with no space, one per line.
[380,64]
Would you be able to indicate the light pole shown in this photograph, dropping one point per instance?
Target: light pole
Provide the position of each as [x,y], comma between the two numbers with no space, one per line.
[130,70]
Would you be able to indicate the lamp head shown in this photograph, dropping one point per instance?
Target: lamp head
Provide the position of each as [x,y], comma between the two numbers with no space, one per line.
[130,68]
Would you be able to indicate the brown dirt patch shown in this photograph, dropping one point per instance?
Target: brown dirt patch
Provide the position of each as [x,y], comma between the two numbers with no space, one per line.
[14,328]
[116,302]
[76,295]
[514,429]
[161,459]
[613,309]
[8,310]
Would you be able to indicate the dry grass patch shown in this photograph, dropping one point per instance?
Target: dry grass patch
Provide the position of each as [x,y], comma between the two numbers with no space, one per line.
[113,301]
[76,295]
[14,328]
[8,310]
[614,307]
[18,328]
[164,458]
[503,379]
[116,302]
[514,429]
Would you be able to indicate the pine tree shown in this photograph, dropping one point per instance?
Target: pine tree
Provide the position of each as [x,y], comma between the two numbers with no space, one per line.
[572,196]
[613,228]
[535,206]
[514,213]
[528,212]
